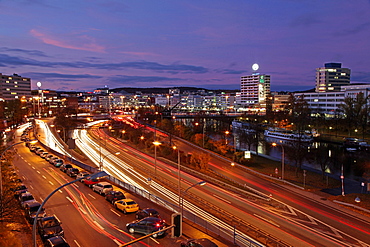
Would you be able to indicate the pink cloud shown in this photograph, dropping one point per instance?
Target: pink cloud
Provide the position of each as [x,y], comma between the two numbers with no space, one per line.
[89,43]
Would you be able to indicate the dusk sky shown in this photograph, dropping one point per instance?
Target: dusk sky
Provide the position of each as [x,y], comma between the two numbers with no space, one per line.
[83,45]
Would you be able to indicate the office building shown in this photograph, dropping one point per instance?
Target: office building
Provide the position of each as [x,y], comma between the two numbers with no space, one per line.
[14,87]
[254,90]
[331,77]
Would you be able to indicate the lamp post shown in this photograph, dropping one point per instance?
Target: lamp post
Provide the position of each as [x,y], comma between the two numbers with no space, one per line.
[226,135]
[95,175]
[101,162]
[156,143]
[178,172]
[201,183]
[274,144]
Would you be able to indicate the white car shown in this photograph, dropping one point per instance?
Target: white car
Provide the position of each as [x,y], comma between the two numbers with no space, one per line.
[102,187]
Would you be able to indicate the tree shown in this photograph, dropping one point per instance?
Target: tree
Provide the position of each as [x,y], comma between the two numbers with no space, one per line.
[200,160]
[355,111]
[299,112]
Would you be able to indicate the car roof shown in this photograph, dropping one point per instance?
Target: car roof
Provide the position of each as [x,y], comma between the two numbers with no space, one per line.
[104,183]
[57,240]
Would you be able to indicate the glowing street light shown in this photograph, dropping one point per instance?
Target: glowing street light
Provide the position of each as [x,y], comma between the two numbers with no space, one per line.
[274,144]
[156,143]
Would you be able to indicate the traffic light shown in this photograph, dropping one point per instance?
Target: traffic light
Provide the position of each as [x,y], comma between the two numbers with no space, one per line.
[177,222]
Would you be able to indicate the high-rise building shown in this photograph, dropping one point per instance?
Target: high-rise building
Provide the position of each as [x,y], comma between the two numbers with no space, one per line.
[14,87]
[331,77]
[254,90]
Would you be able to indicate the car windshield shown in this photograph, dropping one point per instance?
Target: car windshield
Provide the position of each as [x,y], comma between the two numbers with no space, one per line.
[108,186]
[27,198]
[34,208]
[22,187]
[51,223]
[130,203]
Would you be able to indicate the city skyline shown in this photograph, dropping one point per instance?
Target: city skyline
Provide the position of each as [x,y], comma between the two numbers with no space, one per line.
[75,45]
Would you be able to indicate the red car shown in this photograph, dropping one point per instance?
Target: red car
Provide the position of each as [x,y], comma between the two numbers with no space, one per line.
[90,182]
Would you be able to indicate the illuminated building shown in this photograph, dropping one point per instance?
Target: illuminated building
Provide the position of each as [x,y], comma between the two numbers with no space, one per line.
[14,87]
[331,77]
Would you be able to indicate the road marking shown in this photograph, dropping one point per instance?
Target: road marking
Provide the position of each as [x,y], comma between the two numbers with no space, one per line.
[222,199]
[154,240]
[76,242]
[269,221]
[44,176]
[60,191]
[92,196]
[96,223]
[115,212]
[31,186]
[38,172]
[117,242]
[69,199]
[75,185]
[82,210]
[33,167]
[51,183]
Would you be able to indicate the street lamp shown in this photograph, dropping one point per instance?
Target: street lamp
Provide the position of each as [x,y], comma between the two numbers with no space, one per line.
[274,144]
[201,183]
[101,162]
[226,134]
[92,176]
[156,143]
[178,172]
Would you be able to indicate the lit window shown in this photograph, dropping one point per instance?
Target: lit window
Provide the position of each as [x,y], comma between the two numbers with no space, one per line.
[15,82]
[8,89]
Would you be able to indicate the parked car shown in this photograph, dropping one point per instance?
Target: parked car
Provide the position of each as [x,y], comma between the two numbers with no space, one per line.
[72,172]
[57,241]
[102,188]
[114,195]
[52,159]
[34,148]
[126,205]
[39,151]
[43,155]
[25,198]
[147,226]
[202,242]
[64,167]
[91,181]
[48,157]
[81,175]
[58,162]
[147,212]
[49,226]
[31,210]
[19,190]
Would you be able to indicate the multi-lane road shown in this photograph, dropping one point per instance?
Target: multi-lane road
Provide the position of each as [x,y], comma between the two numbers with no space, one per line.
[87,218]
[296,217]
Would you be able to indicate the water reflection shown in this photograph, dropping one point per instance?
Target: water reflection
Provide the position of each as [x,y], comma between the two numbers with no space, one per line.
[319,155]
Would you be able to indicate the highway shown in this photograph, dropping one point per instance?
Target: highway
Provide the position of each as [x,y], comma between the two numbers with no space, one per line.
[287,219]
[87,218]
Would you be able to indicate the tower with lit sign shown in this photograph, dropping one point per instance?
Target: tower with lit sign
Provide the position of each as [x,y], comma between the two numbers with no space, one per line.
[254,90]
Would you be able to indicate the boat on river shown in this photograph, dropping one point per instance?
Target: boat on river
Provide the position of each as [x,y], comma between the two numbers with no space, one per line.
[288,135]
